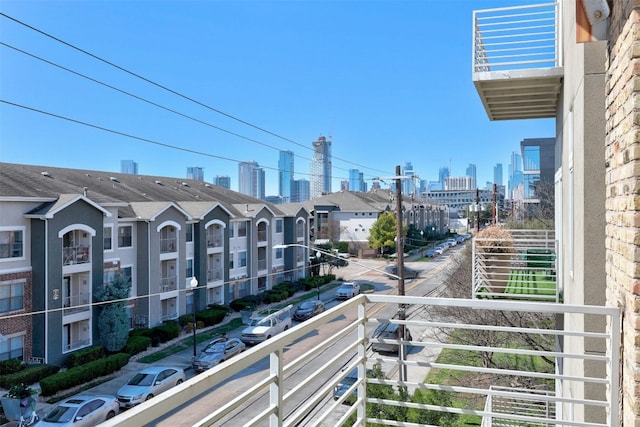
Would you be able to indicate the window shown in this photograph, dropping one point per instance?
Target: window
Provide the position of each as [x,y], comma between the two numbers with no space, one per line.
[11,245]
[231,230]
[279,253]
[278,226]
[189,270]
[231,261]
[12,348]
[106,238]
[11,296]
[124,236]
[242,229]
[242,259]
[189,233]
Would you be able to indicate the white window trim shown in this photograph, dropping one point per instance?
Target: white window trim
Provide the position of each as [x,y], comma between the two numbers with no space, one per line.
[24,239]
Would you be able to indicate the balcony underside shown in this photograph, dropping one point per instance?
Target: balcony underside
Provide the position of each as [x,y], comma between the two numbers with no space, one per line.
[520,94]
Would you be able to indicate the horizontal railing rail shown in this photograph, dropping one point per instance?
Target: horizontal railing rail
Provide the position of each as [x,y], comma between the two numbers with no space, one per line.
[438,327]
[513,38]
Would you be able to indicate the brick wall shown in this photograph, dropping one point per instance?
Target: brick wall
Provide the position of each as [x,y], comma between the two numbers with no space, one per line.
[623,192]
[16,322]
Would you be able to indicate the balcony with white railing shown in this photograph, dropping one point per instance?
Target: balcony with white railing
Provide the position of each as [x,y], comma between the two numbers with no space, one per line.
[488,372]
[517,63]
[520,268]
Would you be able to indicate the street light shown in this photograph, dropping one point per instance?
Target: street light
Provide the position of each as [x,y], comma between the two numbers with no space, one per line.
[194,285]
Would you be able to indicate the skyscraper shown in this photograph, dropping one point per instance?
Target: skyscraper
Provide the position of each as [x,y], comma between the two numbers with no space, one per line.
[223,181]
[515,173]
[443,174]
[300,190]
[471,171]
[321,167]
[285,175]
[251,179]
[195,172]
[355,180]
[408,185]
[129,166]
[497,174]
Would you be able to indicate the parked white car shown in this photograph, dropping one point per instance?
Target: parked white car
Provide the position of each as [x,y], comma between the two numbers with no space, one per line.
[347,290]
[263,327]
[80,411]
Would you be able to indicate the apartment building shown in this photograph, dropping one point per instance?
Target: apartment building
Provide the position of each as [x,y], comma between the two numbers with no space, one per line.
[64,233]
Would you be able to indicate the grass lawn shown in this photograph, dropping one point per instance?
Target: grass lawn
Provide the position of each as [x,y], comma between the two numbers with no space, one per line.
[531,283]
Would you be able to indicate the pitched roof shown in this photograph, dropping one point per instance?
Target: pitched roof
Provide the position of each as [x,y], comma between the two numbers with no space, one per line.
[48,183]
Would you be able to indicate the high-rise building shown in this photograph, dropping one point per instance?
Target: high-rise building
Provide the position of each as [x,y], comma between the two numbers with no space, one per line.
[458,183]
[223,181]
[251,179]
[129,166]
[300,190]
[497,174]
[195,172]
[321,167]
[285,175]
[443,174]
[408,184]
[515,173]
[356,181]
[471,171]
[344,185]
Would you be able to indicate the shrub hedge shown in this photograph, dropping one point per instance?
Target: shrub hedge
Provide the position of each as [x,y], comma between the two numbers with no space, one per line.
[29,375]
[211,317]
[83,373]
[136,344]
[10,366]
[86,355]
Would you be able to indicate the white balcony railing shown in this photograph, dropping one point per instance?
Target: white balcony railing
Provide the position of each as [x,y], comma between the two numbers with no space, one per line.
[523,267]
[517,62]
[296,386]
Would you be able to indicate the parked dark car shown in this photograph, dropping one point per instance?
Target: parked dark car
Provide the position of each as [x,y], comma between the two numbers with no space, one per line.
[430,253]
[388,331]
[409,273]
[308,309]
[346,383]
[217,351]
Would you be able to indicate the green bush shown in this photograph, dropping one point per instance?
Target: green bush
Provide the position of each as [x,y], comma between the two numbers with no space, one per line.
[86,355]
[211,317]
[31,374]
[167,331]
[244,302]
[185,320]
[222,307]
[136,344]
[10,366]
[83,373]
[142,332]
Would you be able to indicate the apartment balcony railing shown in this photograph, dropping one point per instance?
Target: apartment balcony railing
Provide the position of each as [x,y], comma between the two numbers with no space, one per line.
[262,235]
[168,284]
[523,267]
[168,245]
[215,275]
[77,302]
[517,67]
[297,387]
[262,264]
[168,316]
[75,255]
[214,240]
[77,344]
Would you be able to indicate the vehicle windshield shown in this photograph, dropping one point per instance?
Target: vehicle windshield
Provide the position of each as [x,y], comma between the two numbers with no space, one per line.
[142,379]
[347,286]
[307,305]
[260,322]
[60,414]
[215,348]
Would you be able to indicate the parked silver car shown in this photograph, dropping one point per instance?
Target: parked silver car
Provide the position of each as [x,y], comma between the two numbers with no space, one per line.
[147,383]
[218,351]
[80,411]
[308,309]
[347,290]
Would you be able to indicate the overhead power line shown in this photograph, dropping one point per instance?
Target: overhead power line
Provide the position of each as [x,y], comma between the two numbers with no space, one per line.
[174,92]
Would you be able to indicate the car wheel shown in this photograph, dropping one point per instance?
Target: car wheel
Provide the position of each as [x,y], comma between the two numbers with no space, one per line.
[110,415]
[149,397]
[179,381]
[286,327]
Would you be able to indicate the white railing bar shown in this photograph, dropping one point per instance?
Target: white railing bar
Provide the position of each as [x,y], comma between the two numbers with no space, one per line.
[235,403]
[260,416]
[527,48]
[503,26]
[521,55]
[303,410]
[493,305]
[500,64]
[511,34]
[529,6]
[543,11]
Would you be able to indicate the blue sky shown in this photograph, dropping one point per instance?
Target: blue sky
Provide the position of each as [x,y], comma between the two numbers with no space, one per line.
[389,81]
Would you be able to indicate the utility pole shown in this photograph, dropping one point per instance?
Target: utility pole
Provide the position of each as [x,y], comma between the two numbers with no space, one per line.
[478,211]
[495,203]
[400,254]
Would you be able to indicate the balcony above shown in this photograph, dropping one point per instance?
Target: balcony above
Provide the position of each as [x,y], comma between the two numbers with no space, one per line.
[517,67]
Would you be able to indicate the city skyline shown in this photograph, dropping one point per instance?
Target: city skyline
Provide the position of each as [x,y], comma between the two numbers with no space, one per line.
[207,94]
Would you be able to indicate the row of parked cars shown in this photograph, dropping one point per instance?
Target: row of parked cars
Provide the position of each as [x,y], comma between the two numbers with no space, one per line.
[441,248]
